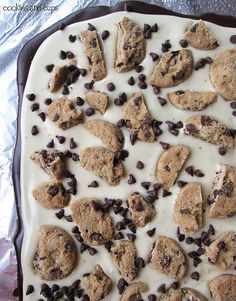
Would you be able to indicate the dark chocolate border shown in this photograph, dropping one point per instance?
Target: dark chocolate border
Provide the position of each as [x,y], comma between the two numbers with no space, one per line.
[24,61]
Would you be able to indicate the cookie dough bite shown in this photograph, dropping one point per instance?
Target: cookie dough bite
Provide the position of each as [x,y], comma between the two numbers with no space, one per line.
[97,100]
[173,68]
[97,284]
[222,251]
[223,288]
[59,76]
[95,225]
[222,199]
[130,46]
[200,36]
[223,73]
[168,258]
[133,291]
[182,295]
[55,256]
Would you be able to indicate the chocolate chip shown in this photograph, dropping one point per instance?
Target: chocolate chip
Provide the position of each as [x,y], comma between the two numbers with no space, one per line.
[233,39]
[164,145]
[50,144]
[48,101]
[211,230]
[89,85]
[174,132]
[142,77]
[156,89]
[145,185]
[131,237]
[151,232]
[152,297]
[72,38]
[75,230]
[222,150]
[142,85]
[195,276]
[200,251]
[166,193]
[171,125]
[198,173]
[162,101]
[92,251]
[42,115]
[162,288]
[140,165]
[49,68]
[131,81]
[70,55]
[68,218]
[108,245]
[154,56]
[61,139]
[90,111]
[65,90]
[75,157]
[196,261]
[138,68]
[197,241]
[155,27]
[181,183]
[63,55]
[165,46]
[183,43]
[35,107]
[93,184]
[209,60]
[131,179]
[83,247]
[29,290]
[132,228]
[111,87]
[189,170]
[121,285]
[234,113]
[34,130]
[140,263]
[76,284]
[146,27]
[53,190]
[31,96]
[118,236]
[179,125]
[157,186]
[180,236]
[62,26]
[105,34]
[175,285]
[193,254]
[91,27]
[200,64]
[133,138]
[221,246]
[82,71]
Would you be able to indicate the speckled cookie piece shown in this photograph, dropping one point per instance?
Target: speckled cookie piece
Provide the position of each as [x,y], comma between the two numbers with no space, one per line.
[200,36]
[51,195]
[59,76]
[223,288]
[94,54]
[209,129]
[138,119]
[222,251]
[183,294]
[191,100]
[124,255]
[95,225]
[52,161]
[63,113]
[130,46]
[141,212]
[168,258]
[170,163]
[97,100]
[97,284]
[102,162]
[173,68]
[223,73]
[55,256]
[109,133]
[133,291]
[222,199]
[188,208]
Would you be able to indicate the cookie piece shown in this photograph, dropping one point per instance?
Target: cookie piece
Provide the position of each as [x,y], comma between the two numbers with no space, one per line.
[209,129]
[51,195]
[222,251]
[95,225]
[109,133]
[141,212]
[52,161]
[168,258]
[170,163]
[133,291]
[97,284]
[97,100]
[199,36]
[223,74]
[223,288]
[191,100]
[59,76]
[222,199]
[63,112]
[55,256]
[124,255]
[173,68]
[188,208]
[102,162]
[94,54]
[130,46]
[138,119]
[182,295]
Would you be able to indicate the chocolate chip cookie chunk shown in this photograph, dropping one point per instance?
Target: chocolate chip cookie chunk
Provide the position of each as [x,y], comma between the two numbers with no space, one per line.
[109,133]
[182,295]
[188,208]
[141,212]
[209,129]
[102,162]
[138,119]
[200,36]
[59,76]
[97,284]
[223,288]
[223,74]
[133,291]
[173,68]
[97,100]
[124,255]
[168,258]
[222,251]
[63,113]
[94,54]
[55,256]
[130,46]
[191,100]
[95,225]
[170,163]
[51,195]
[222,199]
[52,161]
